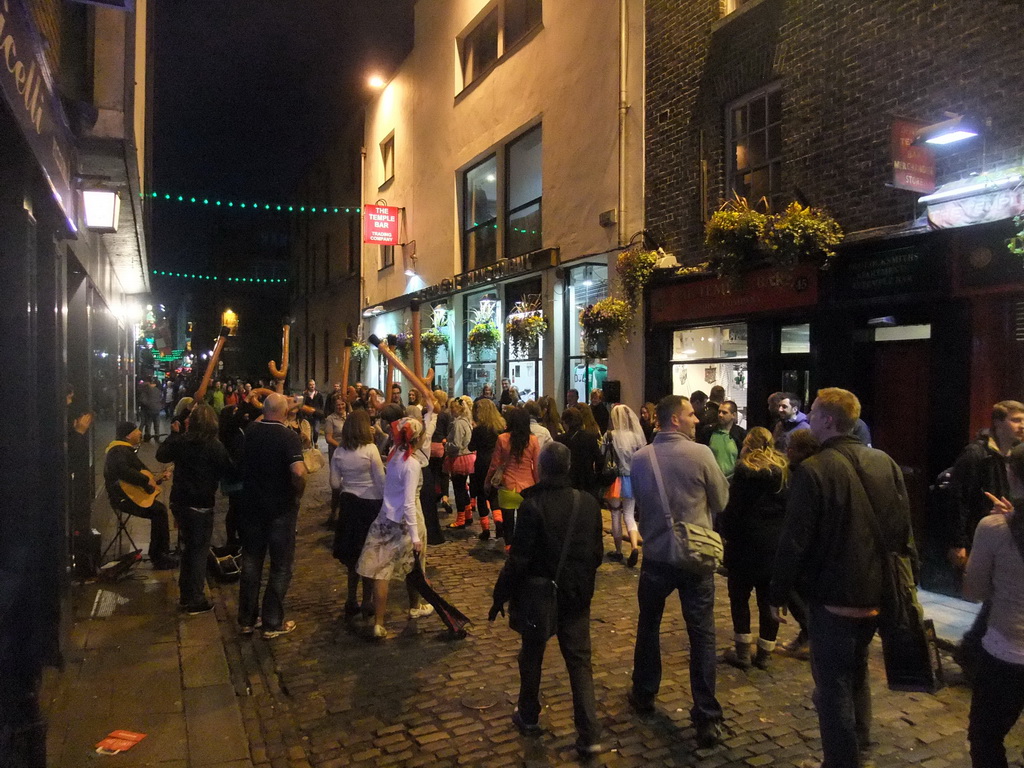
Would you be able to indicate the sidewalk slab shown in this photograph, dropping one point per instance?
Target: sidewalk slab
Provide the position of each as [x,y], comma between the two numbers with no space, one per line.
[216,733]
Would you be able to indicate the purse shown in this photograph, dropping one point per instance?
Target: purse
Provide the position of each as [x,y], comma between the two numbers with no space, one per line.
[610,470]
[533,609]
[909,645]
[695,549]
[437,450]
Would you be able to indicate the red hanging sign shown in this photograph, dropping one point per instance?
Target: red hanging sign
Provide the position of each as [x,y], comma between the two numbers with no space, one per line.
[380,224]
[913,166]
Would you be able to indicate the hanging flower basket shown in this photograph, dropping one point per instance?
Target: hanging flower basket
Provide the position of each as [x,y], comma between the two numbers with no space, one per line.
[524,330]
[360,351]
[635,267]
[603,322]
[735,234]
[401,343]
[433,341]
[801,233]
[484,336]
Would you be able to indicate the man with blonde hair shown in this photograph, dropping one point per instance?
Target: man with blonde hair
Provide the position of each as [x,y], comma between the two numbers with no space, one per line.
[829,553]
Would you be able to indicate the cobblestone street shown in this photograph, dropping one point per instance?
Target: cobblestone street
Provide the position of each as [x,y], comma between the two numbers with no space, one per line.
[326,696]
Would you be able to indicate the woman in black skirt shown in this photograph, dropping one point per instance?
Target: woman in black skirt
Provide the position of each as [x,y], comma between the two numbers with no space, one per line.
[358,473]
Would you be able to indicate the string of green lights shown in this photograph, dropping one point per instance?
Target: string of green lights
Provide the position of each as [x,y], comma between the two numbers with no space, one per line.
[275,207]
[193,276]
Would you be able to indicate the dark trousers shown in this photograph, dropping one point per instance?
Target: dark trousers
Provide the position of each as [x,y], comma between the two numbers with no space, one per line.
[150,418]
[159,526]
[231,519]
[195,528]
[478,491]
[260,535]
[428,502]
[574,642]
[460,484]
[996,705]
[740,587]
[697,597]
[842,694]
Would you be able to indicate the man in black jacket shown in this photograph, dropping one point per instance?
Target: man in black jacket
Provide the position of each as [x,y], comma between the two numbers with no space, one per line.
[829,552]
[122,465]
[541,529]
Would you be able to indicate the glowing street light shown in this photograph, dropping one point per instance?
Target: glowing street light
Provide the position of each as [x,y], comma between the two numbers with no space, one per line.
[376,82]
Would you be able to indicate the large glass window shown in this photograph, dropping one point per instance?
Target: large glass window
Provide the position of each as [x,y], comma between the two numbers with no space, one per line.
[478,48]
[755,148]
[523,223]
[522,366]
[585,285]
[481,363]
[708,356]
[480,217]
[438,317]
[795,348]
[521,17]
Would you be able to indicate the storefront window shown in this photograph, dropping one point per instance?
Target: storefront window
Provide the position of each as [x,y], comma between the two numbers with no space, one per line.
[481,363]
[522,366]
[438,317]
[795,346]
[586,284]
[708,356]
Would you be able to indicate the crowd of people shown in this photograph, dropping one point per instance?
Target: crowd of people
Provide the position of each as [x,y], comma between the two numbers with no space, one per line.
[796,505]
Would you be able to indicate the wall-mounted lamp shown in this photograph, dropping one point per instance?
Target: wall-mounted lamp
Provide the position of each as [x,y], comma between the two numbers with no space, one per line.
[955,128]
[409,256]
[376,81]
[373,311]
[102,209]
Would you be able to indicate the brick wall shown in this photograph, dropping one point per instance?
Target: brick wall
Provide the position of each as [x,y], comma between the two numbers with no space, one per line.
[847,69]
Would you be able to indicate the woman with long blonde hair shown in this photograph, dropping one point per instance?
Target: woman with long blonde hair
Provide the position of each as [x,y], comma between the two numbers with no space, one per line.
[623,440]
[459,460]
[751,525]
[488,425]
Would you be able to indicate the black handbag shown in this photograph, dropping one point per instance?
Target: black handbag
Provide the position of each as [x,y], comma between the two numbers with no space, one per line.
[610,470]
[909,645]
[533,609]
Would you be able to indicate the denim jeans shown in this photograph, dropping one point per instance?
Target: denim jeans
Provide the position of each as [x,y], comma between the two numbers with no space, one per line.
[996,704]
[574,642]
[260,535]
[740,587]
[195,530]
[697,597]
[842,694]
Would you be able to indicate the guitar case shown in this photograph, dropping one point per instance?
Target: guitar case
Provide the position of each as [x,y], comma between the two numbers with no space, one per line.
[225,564]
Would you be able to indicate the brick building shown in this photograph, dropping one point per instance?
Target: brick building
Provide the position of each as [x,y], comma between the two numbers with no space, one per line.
[922,313]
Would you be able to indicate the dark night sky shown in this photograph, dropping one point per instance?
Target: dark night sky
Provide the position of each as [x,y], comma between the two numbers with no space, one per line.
[246,94]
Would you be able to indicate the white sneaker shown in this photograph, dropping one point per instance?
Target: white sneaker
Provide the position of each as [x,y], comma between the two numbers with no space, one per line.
[379,631]
[424,609]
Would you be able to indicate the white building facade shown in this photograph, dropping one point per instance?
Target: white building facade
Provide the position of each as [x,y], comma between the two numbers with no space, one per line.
[511,140]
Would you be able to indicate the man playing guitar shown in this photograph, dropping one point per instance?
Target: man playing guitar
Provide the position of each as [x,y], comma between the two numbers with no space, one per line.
[133,489]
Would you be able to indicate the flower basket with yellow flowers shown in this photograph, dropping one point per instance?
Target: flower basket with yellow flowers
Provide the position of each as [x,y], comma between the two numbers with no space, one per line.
[801,233]
[603,322]
[635,267]
[524,327]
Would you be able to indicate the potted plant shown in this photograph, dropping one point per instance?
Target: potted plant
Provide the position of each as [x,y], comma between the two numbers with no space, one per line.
[603,322]
[483,336]
[735,233]
[432,341]
[401,343]
[524,327]
[359,353]
[635,267]
[801,233]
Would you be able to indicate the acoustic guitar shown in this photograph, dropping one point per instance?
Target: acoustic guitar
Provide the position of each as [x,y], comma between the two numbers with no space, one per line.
[138,495]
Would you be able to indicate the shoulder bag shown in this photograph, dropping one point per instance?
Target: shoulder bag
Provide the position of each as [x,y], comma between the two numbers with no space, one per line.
[313,459]
[695,549]
[909,647]
[533,609]
[610,470]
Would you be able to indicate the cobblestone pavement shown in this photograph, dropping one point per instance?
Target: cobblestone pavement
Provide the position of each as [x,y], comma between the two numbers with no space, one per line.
[327,696]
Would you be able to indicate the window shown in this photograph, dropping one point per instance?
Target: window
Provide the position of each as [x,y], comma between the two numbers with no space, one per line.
[521,17]
[523,367]
[354,242]
[586,285]
[754,136]
[481,364]
[387,256]
[512,219]
[708,356]
[387,158]
[480,219]
[735,5]
[523,223]
[478,48]
[495,34]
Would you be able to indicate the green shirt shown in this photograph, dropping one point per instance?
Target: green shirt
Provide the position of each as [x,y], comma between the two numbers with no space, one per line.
[725,450]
